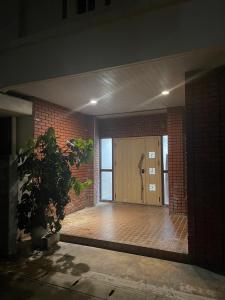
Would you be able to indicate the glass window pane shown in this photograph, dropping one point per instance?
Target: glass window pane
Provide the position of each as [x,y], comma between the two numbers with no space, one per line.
[106,154]
[166,189]
[106,185]
[165,152]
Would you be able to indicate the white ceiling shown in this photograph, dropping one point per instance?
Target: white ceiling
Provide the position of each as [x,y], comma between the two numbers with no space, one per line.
[129,88]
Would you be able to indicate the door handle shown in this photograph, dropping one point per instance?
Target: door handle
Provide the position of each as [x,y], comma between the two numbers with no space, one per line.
[141,171]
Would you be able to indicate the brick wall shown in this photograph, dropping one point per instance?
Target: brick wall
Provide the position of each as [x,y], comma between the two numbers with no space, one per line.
[145,125]
[205,113]
[159,124]
[176,160]
[67,125]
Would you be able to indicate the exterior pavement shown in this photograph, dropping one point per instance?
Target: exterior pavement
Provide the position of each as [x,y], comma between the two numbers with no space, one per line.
[80,272]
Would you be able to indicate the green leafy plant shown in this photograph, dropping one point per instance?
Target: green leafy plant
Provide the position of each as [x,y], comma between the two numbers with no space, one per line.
[45,170]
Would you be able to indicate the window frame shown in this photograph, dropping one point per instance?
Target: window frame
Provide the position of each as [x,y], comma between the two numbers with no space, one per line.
[165,171]
[105,170]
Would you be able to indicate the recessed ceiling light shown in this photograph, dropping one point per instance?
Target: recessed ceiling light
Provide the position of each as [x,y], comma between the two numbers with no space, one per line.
[93,102]
[165,93]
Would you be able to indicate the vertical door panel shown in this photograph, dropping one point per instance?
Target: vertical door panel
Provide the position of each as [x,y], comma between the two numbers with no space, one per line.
[131,155]
[127,177]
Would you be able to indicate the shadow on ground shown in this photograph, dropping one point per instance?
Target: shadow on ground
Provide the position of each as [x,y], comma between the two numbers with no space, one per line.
[23,277]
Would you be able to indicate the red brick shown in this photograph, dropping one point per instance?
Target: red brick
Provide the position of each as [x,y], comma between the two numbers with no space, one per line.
[67,126]
[205,114]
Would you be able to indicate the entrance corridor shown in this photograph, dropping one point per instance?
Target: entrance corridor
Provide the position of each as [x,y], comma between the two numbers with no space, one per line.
[147,227]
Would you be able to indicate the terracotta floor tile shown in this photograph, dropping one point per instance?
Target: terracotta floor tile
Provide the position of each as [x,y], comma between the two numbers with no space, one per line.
[147,226]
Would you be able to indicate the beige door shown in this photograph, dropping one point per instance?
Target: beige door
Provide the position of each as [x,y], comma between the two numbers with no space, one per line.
[137,170]
[127,179]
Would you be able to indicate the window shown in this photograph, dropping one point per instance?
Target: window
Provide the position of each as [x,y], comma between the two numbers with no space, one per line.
[165,170]
[85,5]
[106,185]
[106,169]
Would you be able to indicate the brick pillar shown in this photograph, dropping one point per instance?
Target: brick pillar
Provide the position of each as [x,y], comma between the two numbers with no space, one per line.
[176,160]
[205,113]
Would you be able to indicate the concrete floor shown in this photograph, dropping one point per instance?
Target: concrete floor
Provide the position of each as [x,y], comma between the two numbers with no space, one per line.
[140,225]
[81,272]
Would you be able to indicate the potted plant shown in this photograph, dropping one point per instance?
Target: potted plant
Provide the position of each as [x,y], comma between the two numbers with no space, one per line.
[45,171]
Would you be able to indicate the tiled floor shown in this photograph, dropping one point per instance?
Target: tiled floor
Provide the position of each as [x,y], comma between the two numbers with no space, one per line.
[139,225]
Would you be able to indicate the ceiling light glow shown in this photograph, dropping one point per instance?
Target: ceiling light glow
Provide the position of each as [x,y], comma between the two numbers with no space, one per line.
[93,102]
[165,93]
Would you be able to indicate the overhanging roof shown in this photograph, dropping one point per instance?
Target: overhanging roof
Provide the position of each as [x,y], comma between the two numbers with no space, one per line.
[128,88]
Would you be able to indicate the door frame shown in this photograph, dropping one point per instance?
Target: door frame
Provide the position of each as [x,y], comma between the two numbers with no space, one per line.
[161,169]
[112,170]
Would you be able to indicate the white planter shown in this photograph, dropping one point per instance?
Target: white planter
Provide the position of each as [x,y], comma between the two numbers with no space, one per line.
[42,241]
[37,234]
[50,241]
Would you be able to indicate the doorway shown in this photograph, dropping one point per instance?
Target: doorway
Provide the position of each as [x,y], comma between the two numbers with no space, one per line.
[137,170]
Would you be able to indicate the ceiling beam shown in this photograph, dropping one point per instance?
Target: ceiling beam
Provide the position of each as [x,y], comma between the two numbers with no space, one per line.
[12,106]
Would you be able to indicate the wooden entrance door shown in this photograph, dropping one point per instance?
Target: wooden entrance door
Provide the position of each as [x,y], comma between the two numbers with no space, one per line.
[137,170]
[127,179]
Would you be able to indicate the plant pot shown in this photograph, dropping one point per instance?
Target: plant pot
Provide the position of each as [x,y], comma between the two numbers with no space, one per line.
[50,240]
[42,240]
[37,234]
